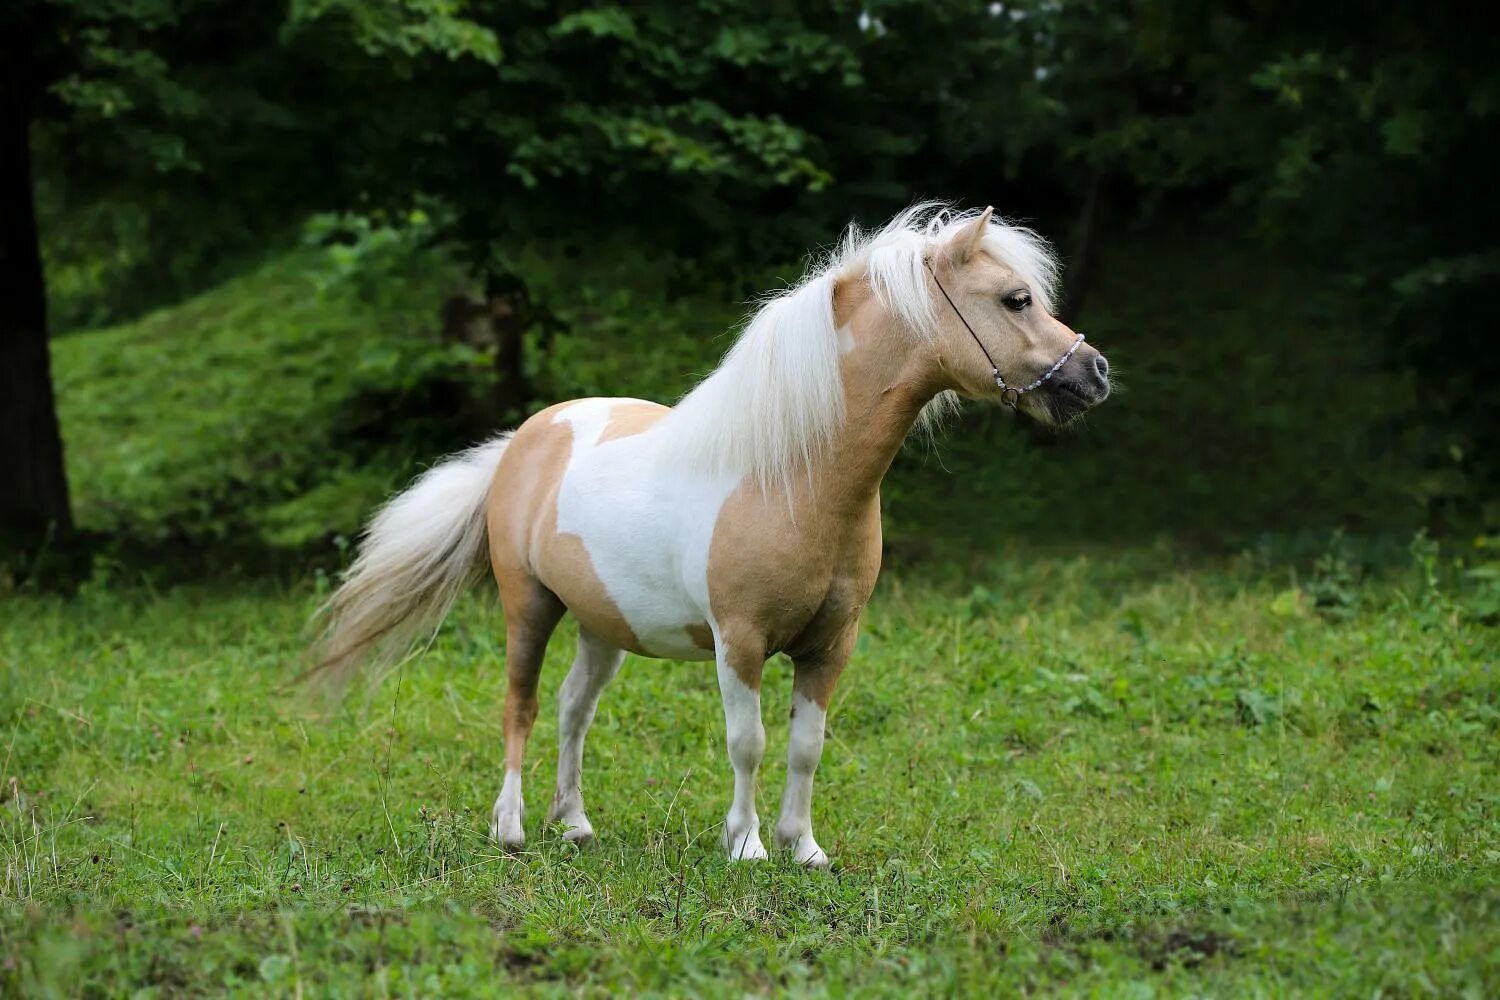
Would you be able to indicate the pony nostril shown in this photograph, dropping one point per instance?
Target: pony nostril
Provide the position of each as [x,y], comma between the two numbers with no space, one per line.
[1101,367]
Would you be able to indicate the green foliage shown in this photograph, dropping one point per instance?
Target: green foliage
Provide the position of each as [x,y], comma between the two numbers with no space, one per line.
[1053,774]
[1334,584]
[406,30]
[1482,599]
[567,122]
[1347,134]
[1226,427]
[172,143]
[1379,136]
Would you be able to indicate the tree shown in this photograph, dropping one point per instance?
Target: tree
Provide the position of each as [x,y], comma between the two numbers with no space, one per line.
[185,106]
[33,488]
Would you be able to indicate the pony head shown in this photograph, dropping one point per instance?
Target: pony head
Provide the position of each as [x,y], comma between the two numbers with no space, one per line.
[978,295]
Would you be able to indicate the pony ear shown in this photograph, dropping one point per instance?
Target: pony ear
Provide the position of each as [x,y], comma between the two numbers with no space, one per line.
[967,242]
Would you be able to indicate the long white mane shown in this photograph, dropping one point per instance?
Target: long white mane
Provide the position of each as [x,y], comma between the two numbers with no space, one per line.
[777,398]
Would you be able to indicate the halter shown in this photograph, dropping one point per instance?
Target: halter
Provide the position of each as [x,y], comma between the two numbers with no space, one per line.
[1010,395]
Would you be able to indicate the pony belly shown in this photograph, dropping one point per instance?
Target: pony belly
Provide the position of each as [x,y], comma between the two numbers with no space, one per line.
[687,642]
[644,612]
[637,598]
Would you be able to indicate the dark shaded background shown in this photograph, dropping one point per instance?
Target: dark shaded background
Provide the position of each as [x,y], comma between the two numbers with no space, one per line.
[1278,220]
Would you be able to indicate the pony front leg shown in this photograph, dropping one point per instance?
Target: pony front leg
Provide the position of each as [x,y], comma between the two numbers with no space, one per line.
[594,666]
[740,667]
[804,750]
[813,686]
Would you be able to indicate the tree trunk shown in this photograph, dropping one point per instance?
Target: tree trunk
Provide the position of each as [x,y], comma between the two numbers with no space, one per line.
[497,324]
[512,391]
[511,313]
[33,484]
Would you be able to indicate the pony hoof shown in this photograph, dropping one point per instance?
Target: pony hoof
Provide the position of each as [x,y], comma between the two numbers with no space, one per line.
[579,834]
[568,815]
[509,843]
[751,852]
[805,851]
[745,847]
[506,831]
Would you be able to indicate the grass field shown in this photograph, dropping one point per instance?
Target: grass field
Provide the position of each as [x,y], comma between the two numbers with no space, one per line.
[1112,773]
[1117,759]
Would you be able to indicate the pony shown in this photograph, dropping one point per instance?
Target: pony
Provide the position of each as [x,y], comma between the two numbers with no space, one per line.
[742,522]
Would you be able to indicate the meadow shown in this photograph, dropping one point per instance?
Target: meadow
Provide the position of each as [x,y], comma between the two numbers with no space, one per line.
[1104,773]
[1126,719]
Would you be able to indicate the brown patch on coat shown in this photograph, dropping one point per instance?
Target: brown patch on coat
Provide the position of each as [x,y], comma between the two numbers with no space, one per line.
[701,636]
[744,650]
[817,674]
[848,295]
[630,419]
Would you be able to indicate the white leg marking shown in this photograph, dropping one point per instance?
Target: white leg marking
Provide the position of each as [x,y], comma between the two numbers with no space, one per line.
[747,745]
[505,826]
[594,666]
[804,750]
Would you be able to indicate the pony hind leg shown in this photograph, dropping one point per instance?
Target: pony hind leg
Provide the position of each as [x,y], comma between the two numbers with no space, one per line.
[594,666]
[811,688]
[531,613]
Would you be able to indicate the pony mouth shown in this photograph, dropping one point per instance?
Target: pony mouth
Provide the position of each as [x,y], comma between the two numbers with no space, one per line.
[1066,402]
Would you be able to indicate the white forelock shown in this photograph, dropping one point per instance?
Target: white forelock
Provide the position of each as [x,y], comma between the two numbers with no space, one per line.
[894,258]
[777,398]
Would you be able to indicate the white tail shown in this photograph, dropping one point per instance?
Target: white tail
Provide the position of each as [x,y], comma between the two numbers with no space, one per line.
[419,552]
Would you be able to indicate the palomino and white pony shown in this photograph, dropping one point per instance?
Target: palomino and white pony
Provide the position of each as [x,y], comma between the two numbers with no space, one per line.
[742,522]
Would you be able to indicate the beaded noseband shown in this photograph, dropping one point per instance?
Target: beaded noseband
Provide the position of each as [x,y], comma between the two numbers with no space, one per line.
[1010,395]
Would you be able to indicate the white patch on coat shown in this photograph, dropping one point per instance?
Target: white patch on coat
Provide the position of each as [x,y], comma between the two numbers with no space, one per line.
[647,525]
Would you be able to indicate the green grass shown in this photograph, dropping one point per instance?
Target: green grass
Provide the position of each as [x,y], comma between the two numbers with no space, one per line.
[1113,773]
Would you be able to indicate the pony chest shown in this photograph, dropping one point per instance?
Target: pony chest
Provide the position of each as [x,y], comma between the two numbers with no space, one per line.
[796,583]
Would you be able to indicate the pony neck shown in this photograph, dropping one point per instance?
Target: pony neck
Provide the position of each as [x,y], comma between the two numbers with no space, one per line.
[886,384]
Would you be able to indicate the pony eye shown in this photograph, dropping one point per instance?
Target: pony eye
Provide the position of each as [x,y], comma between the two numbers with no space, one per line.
[1017,301]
